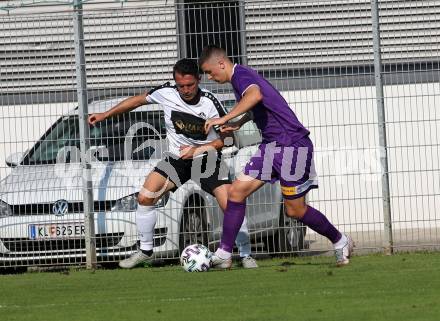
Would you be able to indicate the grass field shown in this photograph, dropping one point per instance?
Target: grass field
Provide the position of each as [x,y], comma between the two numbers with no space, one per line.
[399,287]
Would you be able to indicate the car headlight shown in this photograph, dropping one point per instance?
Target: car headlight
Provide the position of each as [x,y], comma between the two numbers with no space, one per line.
[5,209]
[126,204]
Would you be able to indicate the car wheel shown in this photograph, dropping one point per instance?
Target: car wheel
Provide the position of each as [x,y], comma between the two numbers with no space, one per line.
[193,225]
[289,237]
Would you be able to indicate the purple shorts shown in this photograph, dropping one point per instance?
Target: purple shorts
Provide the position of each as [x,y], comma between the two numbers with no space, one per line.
[292,165]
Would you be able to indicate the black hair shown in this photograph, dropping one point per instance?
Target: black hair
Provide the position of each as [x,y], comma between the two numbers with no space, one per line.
[186,67]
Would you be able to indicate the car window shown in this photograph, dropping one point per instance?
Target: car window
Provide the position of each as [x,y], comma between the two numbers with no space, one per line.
[248,134]
[110,136]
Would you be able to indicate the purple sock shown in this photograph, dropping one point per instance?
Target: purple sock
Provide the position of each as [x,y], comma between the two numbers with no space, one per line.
[320,224]
[234,215]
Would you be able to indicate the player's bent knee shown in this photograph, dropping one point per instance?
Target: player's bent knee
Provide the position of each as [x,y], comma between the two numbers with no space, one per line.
[236,194]
[295,210]
[294,214]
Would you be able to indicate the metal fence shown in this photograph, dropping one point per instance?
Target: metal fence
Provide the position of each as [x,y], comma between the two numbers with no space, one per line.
[363,76]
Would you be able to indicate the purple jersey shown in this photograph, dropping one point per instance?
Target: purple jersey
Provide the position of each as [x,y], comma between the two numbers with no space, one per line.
[273,116]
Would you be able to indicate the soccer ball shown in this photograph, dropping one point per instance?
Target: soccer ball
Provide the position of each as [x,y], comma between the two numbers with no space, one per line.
[196,258]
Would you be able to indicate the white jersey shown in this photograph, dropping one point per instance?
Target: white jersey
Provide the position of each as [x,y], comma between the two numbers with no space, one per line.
[184,122]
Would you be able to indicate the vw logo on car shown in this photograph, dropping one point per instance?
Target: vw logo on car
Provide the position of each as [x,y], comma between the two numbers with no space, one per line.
[60,207]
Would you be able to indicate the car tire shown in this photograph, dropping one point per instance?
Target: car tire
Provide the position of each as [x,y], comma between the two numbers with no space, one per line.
[193,224]
[289,237]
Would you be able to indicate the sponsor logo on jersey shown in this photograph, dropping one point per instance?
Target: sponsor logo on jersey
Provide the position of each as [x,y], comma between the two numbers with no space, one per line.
[288,190]
[188,125]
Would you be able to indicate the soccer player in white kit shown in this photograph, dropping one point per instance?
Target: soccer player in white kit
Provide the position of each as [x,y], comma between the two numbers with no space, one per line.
[186,108]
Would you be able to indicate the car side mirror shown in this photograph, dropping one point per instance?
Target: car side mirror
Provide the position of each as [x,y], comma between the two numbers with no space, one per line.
[15,159]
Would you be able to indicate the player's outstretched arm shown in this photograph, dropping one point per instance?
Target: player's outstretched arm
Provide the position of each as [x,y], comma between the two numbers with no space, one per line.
[124,106]
[187,152]
[251,97]
[236,125]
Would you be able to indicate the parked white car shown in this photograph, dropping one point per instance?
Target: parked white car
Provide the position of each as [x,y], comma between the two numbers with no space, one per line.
[41,201]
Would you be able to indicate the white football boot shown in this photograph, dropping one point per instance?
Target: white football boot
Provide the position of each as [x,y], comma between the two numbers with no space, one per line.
[248,262]
[135,259]
[219,263]
[343,254]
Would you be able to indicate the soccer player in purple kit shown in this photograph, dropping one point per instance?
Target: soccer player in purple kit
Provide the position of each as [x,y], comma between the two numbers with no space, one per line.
[285,154]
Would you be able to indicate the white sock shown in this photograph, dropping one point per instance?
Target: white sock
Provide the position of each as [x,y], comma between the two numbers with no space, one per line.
[145,222]
[341,243]
[224,255]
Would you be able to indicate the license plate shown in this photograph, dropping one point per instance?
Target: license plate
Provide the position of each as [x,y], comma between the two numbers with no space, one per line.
[51,231]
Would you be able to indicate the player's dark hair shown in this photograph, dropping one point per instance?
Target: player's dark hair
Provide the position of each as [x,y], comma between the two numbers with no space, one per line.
[210,51]
[186,67]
